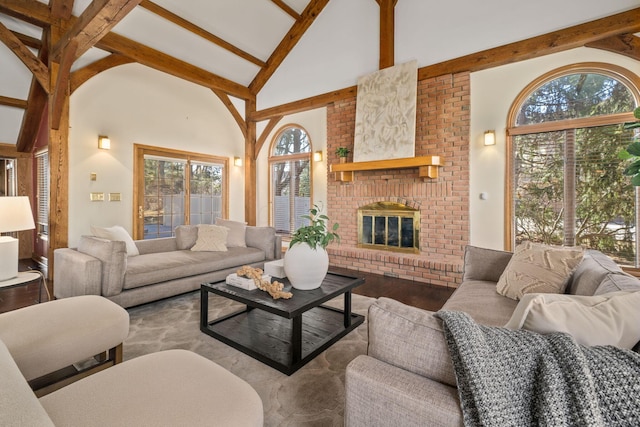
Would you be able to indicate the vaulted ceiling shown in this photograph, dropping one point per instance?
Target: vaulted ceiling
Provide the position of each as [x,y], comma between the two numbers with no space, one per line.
[230,46]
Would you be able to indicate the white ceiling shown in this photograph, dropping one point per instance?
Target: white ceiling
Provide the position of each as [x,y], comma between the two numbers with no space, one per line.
[340,46]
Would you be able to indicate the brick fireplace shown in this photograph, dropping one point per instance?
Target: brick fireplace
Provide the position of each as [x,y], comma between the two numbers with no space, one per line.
[442,128]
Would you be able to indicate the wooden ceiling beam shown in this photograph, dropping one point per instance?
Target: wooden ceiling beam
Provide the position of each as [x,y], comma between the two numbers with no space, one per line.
[623,44]
[233,110]
[61,89]
[306,104]
[36,104]
[557,41]
[28,41]
[292,37]
[288,9]
[95,22]
[31,11]
[267,130]
[181,22]
[153,58]
[39,70]
[387,33]
[61,9]
[13,102]
[83,74]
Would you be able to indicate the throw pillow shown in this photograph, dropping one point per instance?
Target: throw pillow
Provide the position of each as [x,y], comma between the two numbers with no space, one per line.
[211,238]
[117,233]
[236,238]
[611,319]
[186,236]
[538,268]
[618,282]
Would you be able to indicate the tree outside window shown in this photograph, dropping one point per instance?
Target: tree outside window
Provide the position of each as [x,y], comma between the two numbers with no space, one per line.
[290,164]
[568,186]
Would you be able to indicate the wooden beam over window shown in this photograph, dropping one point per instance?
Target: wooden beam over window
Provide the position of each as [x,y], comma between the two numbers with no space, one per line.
[623,44]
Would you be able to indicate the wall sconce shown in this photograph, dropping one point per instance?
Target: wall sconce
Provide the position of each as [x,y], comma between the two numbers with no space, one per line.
[490,137]
[237,161]
[317,156]
[104,143]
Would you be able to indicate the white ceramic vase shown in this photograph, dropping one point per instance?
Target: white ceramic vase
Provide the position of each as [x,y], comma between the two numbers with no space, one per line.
[306,267]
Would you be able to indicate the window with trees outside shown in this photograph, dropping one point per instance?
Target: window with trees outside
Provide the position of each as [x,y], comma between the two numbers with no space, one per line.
[177,187]
[567,183]
[290,182]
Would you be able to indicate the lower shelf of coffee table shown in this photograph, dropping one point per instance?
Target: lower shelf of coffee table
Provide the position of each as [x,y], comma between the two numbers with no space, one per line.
[269,338]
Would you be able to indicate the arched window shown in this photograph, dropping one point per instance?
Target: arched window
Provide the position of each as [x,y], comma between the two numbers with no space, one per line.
[566,181]
[290,181]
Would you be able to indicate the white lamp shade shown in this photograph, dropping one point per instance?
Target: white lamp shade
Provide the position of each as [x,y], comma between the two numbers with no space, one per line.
[15,214]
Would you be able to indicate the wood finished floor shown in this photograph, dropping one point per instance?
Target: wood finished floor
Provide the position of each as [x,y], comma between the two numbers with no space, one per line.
[422,295]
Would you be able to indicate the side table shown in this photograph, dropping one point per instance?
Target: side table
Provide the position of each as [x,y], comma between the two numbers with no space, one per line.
[24,278]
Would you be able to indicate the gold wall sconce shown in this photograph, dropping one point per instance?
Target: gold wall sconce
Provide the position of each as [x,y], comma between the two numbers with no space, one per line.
[490,137]
[104,143]
[237,161]
[317,156]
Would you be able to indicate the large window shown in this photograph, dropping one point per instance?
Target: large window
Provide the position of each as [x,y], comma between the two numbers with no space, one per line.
[177,188]
[567,185]
[290,169]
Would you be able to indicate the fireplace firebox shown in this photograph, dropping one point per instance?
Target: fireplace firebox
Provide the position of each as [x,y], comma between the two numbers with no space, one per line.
[389,226]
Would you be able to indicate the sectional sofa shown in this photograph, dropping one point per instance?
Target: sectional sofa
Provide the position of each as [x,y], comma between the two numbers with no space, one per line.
[407,377]
[137,272]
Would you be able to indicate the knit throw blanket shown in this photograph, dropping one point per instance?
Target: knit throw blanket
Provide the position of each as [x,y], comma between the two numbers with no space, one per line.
[521,378]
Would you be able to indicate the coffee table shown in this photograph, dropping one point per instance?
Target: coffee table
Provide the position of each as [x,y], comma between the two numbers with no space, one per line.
[284,334]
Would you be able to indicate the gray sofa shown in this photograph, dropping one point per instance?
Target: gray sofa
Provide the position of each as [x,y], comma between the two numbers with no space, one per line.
[407,377]
[165,267]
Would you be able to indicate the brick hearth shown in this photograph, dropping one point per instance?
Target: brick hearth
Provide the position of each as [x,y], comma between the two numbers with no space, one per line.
[442,128]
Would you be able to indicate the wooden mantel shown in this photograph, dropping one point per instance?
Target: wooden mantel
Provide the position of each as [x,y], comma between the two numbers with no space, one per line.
[427,166]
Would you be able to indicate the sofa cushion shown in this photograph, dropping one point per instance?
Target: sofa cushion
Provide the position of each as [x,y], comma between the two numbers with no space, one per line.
[116,233]
[159,267]
[484,264]
[186,236]
[475,296]
[614,282]
[262,238]
[611,319]
[538,268]
[211,238]
[591,271]
[236,237]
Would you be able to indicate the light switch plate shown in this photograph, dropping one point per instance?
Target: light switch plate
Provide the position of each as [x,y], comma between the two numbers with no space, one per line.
[96,197]
[114,197]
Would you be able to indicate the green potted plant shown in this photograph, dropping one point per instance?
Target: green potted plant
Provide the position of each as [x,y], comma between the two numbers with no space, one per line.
[633,152]
[306,262]
[342,152]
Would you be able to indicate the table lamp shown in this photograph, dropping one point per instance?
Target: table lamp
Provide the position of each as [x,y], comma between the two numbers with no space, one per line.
[15,215]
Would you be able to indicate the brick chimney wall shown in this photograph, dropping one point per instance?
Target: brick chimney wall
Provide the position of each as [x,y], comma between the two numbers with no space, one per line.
[442,128]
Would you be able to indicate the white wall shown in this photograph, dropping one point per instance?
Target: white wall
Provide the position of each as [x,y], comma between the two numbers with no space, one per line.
[315,123]
[492,93]
[135,104]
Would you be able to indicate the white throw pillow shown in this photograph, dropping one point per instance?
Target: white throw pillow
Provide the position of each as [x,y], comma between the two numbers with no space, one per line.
[609,319]
[116,233]
[538,268]
[211,238]
[236,238]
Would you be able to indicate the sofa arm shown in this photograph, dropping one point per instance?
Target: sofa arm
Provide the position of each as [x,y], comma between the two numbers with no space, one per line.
[113,257]
[75,273]
[409,338]
[484,264]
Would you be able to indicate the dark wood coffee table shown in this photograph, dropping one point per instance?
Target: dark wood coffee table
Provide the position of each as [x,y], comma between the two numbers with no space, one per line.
[284,334]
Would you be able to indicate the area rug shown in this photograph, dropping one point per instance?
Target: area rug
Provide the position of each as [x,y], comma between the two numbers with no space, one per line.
[312,396]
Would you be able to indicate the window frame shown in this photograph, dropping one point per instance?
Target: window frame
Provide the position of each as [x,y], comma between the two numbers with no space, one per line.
[621,74]
[139,152]
[289,157]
